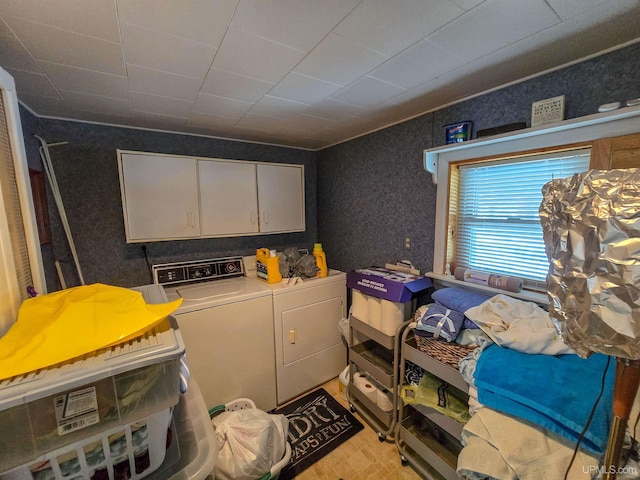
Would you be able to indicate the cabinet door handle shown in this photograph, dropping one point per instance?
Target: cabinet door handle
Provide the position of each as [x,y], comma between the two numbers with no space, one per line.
[265,217]
[191,219]
[292,336]
[252,217]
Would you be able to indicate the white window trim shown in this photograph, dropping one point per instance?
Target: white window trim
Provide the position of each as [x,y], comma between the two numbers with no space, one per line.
[10,295]
[624,121]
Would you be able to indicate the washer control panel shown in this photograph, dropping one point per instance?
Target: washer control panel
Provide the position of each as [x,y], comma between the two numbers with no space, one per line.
[198,270]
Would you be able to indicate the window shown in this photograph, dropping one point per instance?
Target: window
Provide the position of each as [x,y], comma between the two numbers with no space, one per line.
[493,210]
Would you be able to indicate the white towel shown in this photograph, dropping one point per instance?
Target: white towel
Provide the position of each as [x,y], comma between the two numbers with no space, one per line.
[499,446]
[519,325]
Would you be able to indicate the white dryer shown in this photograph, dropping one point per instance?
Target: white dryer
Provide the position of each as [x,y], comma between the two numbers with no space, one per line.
[309,348]
[226,321]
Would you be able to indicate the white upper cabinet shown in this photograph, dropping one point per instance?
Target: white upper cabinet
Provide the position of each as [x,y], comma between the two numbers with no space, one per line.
[167,197]
[281,198]
[159,197]
[228,197]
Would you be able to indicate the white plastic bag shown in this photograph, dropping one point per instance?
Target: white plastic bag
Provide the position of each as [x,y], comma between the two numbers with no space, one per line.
[251,442]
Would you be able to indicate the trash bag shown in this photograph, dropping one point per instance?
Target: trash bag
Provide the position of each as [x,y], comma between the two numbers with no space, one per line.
[295,264]
[251,442]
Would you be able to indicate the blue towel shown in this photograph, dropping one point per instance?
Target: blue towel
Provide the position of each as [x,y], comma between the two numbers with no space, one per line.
[440,321]
[555,392]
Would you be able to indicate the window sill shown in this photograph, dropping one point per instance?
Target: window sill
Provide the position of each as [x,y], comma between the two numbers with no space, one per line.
[528,295]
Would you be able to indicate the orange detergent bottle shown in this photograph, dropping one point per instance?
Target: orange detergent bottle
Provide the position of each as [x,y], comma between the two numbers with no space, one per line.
[267,265]
[321,260]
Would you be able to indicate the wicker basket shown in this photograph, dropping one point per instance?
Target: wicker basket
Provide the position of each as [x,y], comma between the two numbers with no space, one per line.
[448,353]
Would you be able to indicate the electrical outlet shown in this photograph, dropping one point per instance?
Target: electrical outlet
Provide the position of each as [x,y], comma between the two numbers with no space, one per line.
[407,243]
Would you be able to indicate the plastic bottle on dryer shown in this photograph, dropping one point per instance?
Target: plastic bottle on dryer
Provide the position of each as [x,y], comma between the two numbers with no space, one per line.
[321,260]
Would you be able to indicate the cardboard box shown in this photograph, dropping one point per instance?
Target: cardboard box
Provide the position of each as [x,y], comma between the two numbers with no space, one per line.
[387,284]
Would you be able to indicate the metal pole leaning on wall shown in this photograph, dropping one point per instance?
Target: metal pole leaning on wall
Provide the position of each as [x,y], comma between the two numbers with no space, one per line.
[48,167]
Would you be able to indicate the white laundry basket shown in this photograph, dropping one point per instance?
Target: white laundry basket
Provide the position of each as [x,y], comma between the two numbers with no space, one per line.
[243,404]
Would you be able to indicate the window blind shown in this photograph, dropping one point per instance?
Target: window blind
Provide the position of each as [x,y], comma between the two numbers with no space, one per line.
[498,226]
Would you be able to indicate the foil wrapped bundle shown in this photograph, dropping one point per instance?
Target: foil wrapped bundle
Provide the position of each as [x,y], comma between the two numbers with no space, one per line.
[591,231]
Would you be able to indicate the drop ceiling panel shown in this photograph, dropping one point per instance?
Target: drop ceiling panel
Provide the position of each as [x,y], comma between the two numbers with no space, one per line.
[161,51]
[156,82]
[507,21]
[369,20]
[30,83]
[87,81]
[339,60]
[256,57]
[417,64]
[13,54]
[299,24]
[50,106]
[367,92]
[232,85]
[68,48]
[203,21]
[221,106]
[175,107]
[303,89]
[97,103]
[98,21]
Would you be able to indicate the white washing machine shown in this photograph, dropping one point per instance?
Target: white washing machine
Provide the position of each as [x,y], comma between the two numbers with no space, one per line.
[226,321]
[308,343]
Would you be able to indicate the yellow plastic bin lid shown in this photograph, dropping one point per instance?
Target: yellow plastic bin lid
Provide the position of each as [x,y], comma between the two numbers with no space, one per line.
[63,325]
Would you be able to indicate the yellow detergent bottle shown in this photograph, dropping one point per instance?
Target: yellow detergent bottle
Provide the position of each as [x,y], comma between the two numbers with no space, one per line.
[267,266]
[321,260]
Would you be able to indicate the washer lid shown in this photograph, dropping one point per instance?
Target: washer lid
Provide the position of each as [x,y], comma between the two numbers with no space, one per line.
[216,293]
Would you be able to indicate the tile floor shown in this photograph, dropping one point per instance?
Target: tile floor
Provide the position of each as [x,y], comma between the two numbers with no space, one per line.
[362,457]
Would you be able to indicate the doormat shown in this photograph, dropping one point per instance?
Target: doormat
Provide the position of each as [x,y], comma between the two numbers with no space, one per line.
[317,425]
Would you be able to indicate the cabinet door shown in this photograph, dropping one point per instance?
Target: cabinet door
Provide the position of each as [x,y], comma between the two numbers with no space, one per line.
[616,152]
[159,197]
[228,198]
[281,198]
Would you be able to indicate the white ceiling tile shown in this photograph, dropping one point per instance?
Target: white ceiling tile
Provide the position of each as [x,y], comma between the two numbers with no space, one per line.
[409,20]
[339,60]
[100,117]
[68,48]
[232,85]
[144,102]
[30,83]
[252,56]
[156,82]
[367,92]
[97,103]
[570,8]
[197,119]
[221,106]
[47,106]
[303,89]
[157,121]
[161,51]
[507,20]
[467,4]
[417,64]
[259,122]
[299,24]
[277,107]
[202,21]
[13,54]
[335,110]
[99,20]
[87,81]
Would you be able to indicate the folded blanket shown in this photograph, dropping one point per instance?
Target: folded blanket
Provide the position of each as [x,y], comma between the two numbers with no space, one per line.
[555,392]
[499,446]
[519,325]
[439,321]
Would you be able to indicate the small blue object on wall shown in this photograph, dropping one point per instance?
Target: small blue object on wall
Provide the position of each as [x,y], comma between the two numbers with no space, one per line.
[458,132]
